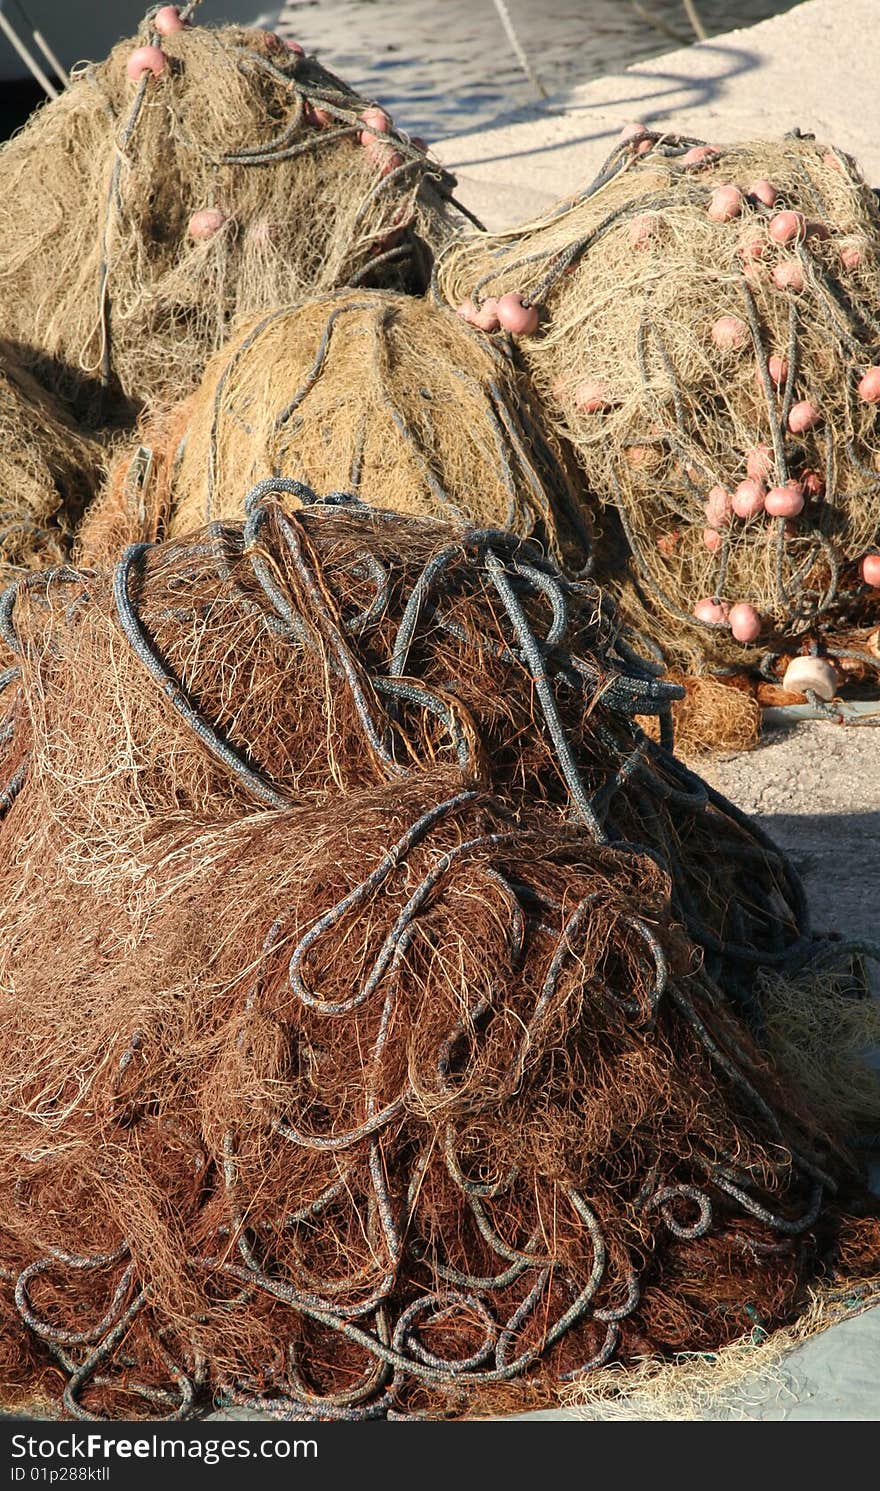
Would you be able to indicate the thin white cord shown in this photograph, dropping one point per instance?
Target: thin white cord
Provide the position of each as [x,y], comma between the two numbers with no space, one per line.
[50,57]
[39,38]
[693,16]
[27,57]
[659,23]
[521,57]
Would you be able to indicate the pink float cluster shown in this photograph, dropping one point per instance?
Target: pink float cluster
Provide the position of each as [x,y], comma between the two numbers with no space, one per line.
[508,312]
[755,496]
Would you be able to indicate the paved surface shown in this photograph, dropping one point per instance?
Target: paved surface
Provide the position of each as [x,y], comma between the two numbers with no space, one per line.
[833,1376]
[816,787]
[815,66]
[462,75]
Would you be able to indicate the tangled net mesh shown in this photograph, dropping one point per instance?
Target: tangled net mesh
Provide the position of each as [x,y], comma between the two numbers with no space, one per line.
[101,278]
[382,1009]
[714,716]
[394,393]
[49,468]
[635,281]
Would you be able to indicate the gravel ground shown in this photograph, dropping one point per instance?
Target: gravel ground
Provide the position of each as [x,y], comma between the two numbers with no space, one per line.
[816,788]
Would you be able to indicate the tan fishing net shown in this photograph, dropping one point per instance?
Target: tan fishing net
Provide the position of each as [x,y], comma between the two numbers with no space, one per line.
[382,395]
[382,1025]
[49,468]
[708,340]
[139,216]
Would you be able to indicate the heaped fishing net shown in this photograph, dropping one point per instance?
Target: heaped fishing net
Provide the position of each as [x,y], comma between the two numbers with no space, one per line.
[49,469]
[397,394]
[382,1012]
[703,325]
[139,215]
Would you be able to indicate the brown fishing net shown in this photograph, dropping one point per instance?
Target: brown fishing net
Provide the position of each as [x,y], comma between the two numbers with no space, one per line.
[49,469]
[378,392]
[714,716]
[381,1009]
[708,338]
[138,217]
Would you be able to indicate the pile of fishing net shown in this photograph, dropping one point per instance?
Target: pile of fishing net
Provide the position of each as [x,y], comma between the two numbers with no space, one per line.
[49,469]
[385,1018]
[380,391]
[192,177]
[703,324]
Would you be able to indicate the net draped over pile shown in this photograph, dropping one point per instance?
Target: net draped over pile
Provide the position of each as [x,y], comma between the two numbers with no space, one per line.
[382,1019]
[371,391]
[102,282]
[631,278]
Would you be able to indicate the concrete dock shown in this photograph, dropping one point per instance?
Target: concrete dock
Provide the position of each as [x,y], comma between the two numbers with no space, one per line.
[815,67]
